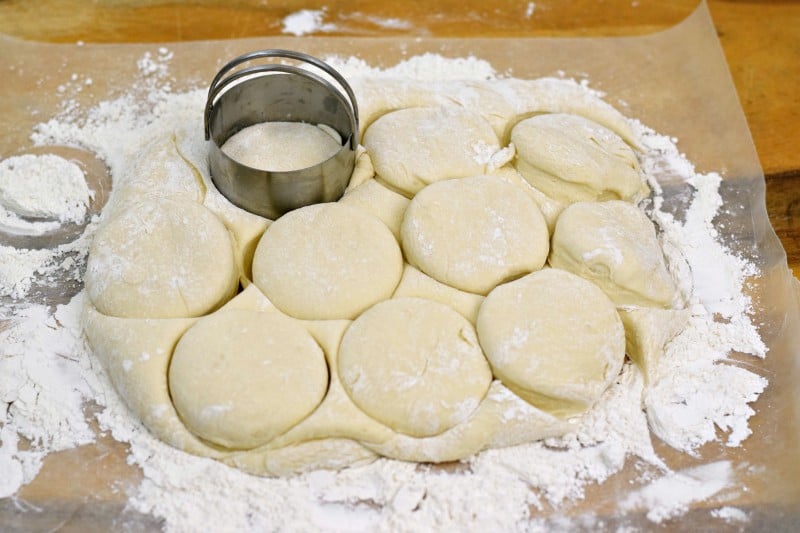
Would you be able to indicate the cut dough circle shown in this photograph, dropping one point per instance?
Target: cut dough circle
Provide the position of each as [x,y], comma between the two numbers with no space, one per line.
[414,365]
[327,261]
[413,147]
[474,233]
[570,158]
[282,146]
[240,378]
[614,245]
[554,339]
[161,259]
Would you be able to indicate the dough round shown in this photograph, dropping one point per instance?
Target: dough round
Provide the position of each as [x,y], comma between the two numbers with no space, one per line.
[327,261]
[474,233]
[413,147]
[161,259]
[240,378]
[571,159]
[553,338]
[414,365]
[282,146]
[614,245]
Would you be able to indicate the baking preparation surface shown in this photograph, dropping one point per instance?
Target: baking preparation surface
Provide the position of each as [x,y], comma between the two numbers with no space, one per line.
[88,486]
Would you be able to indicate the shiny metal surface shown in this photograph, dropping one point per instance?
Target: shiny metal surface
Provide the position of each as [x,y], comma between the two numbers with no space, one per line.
[272,93]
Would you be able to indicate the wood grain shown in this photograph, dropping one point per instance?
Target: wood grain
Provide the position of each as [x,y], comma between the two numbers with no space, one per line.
[760,39]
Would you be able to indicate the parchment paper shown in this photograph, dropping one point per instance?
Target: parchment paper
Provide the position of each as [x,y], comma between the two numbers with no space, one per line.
[675,81]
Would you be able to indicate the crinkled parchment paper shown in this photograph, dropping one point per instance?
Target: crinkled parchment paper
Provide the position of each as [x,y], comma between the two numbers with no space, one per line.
[675,81]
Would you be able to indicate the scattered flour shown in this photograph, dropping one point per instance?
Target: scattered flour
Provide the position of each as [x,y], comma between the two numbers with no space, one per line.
[306,21]
[47,373]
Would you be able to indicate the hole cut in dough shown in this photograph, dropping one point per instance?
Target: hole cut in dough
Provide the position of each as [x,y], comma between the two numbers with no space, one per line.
[161,259]
[240,378]
[282,146]
[414,147]
[414,365]
[327,261]
[570,159]
[474,233]
[554,339]
[614,245]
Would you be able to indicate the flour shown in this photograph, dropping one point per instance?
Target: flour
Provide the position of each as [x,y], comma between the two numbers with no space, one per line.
[47,373]
[306,21]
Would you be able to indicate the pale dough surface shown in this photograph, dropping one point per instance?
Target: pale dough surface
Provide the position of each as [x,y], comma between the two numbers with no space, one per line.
[161,259]
[240,378]
[614,245]
[327,261]
[414,147]
[474,233]
[414,365]
[553,338]
[570,158]
[339,351]
[282,146]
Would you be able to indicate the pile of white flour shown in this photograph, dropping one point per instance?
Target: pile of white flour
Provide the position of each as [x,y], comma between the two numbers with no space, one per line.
[47,373]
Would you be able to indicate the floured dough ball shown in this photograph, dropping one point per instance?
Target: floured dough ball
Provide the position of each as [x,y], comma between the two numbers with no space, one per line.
[413,147]
[414,365]
[327,261]
[282,146]
[554,339]
[614,245]
[161,259]
[571,159]
[240,378]
[379,201]
[474,233]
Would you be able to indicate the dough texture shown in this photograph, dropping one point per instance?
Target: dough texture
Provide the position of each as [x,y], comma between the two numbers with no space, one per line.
[327,261]
[474,233]
[161,259]
[570,158]
[240,378]
[413,147]
[414,365]
[614,245]
[282,146]
[554,339]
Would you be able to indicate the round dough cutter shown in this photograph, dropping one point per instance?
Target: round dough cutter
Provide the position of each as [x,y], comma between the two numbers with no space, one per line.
[279,92]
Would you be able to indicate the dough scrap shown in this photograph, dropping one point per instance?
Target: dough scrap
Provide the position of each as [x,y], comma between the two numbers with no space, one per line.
[414,365]
[554,339]
[474,233]
[647,332]
[161,259]
[416,284]
[570,158]
[380,202]
[240,378]
[413,147]
[614,245]
[327,261]
[282,146]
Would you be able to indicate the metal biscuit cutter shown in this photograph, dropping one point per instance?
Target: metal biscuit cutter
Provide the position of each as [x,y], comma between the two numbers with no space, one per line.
[278,92]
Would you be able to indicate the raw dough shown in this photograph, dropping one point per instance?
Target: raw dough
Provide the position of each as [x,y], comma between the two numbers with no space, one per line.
[240,378]
[161,259]
[379,201]
[570,158]
[554,339]
[614,245]
[327,261]
[414,365]
[282,146]
[416,284]
[474,233]
[413,147]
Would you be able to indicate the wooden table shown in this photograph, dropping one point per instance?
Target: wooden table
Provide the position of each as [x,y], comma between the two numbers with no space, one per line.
[761,41]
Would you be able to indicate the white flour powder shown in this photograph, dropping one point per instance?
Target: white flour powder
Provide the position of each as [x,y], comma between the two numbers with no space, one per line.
[46,373]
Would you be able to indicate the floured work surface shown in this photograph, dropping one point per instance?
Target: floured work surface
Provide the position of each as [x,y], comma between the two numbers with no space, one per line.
[664,90]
